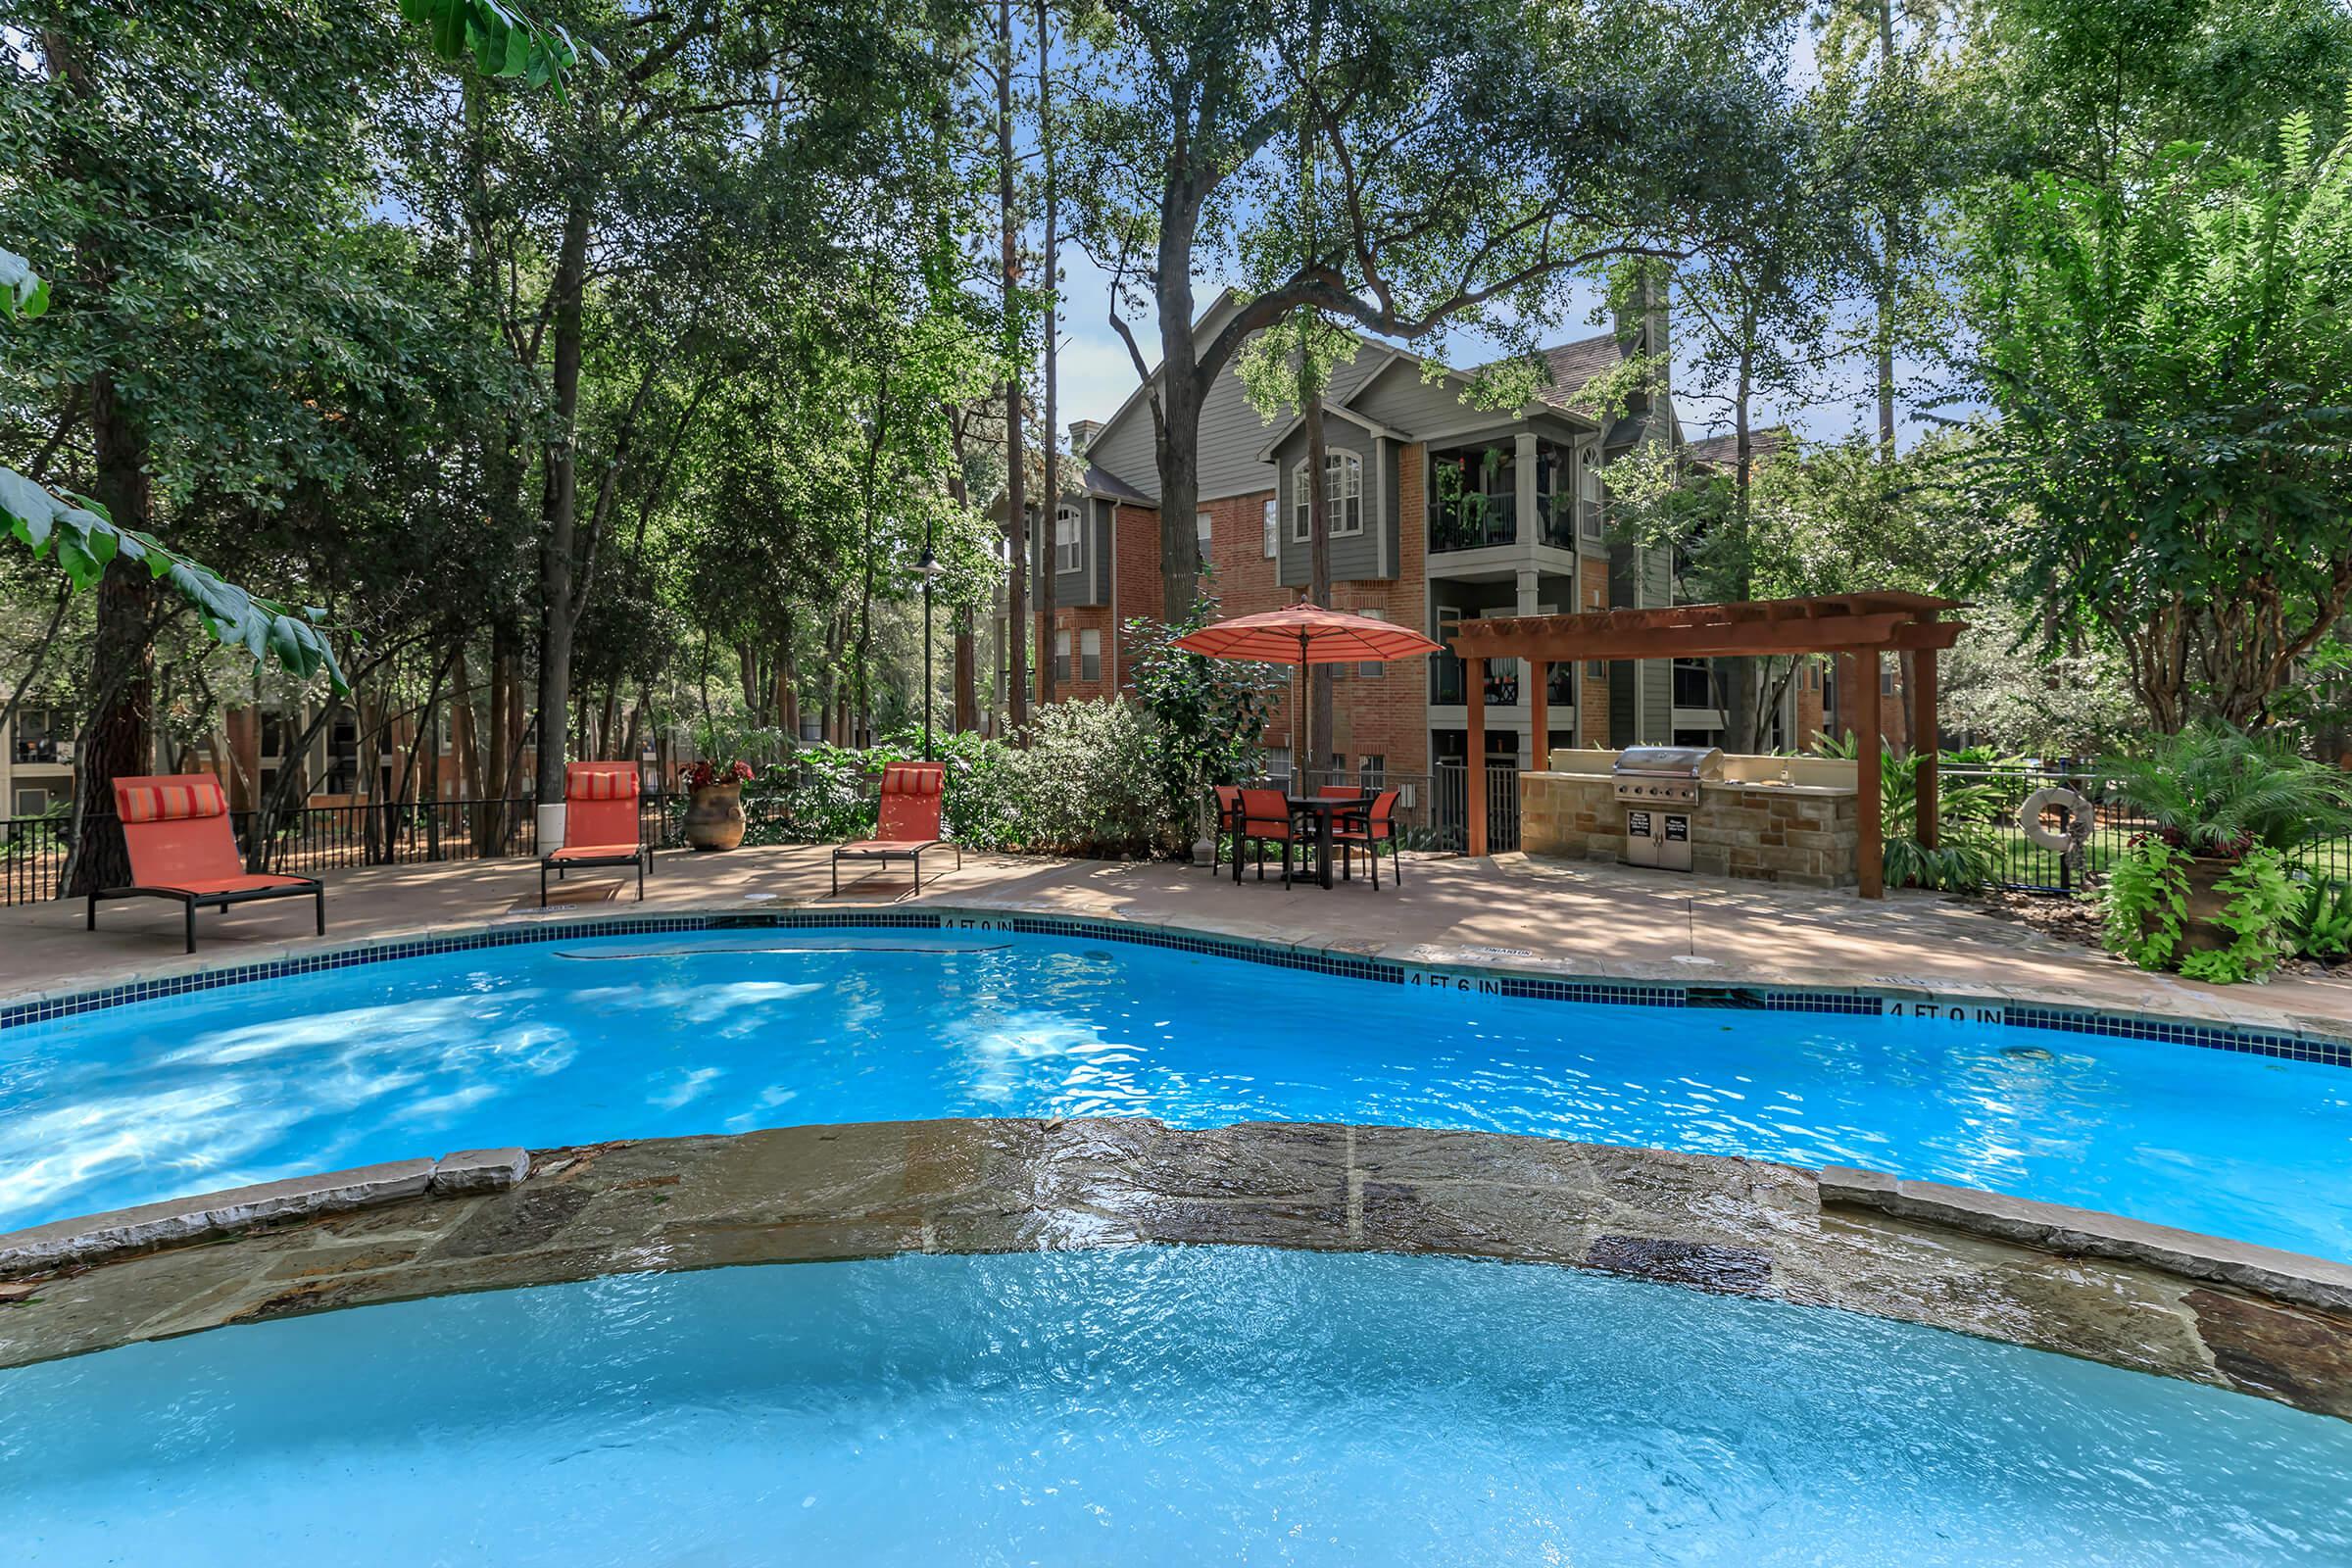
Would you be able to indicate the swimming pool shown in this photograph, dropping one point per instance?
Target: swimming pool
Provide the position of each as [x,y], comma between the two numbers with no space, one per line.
[1151,1405]
[577,1041]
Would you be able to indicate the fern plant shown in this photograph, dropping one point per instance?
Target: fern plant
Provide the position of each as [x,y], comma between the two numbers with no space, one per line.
[1967,854]
[2217,791]
[2322,924]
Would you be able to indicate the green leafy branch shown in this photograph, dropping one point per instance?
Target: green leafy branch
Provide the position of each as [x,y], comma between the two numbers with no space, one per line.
[504,43]
[78,533]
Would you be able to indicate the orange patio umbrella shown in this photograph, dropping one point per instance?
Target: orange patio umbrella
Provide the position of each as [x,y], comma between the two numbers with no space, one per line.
[1304,634]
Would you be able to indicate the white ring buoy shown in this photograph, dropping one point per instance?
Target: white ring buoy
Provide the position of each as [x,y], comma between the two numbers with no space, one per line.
[2055,797]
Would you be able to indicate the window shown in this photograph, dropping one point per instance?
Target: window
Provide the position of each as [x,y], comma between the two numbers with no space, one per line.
[1370,770]
[1372,669]
[1090,655]
[30,803]
[1588,472]
[1885,681]
[43,735]
[1343,497]
[1069,539]
[1275,762]
[1201,529]
[1061,658]
[1273,528]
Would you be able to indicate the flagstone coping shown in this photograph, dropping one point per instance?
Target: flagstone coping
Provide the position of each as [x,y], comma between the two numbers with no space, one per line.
[1893,1249]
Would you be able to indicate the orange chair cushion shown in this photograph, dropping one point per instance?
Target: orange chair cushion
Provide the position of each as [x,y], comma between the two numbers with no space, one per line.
[595,852]
[910,795]
[600,781]
[244,882]
[173,799]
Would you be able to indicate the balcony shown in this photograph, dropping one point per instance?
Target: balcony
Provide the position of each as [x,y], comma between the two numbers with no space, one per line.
[1474,501]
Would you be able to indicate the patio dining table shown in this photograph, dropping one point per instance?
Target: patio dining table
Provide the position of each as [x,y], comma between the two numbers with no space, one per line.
[1324,809]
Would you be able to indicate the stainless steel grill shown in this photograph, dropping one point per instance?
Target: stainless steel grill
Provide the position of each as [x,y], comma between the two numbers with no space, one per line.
[1666,773]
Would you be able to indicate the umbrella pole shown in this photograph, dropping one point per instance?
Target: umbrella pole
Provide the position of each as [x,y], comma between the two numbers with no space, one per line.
[1302,737]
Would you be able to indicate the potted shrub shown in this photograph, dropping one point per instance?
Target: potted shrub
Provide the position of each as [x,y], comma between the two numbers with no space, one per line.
[715,802]
[2205,890]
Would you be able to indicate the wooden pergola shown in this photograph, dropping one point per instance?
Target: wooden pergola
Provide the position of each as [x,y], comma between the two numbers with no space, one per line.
[1861,625]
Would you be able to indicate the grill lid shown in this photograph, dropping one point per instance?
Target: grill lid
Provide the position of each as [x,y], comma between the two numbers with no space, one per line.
[1672,762]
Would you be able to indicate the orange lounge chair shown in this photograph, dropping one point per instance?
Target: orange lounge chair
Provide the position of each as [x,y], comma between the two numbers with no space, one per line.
[176,827]
[601,823]
[909,824]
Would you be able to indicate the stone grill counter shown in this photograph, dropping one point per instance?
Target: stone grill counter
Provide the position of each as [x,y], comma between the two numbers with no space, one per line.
[1803,832]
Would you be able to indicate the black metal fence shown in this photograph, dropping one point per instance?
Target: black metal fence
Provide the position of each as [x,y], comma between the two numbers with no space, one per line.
[1994,799]
[1433,809]
[35,852]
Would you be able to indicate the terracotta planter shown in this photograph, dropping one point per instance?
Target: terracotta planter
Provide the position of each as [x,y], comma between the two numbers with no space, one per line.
[2200,933]
[714,816]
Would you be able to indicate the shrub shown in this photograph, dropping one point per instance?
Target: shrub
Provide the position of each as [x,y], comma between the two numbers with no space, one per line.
[2217,791]
[2147,913]
[2322,924]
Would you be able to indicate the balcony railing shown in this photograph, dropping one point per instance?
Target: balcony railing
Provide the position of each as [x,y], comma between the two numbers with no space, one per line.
[1473,522]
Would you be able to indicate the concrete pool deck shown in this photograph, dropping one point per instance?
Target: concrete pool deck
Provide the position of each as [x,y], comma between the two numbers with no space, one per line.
[1512,912]
[1741,1227]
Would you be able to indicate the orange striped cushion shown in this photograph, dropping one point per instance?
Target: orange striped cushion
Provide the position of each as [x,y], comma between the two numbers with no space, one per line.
[170,803]
[912,778]
[600,784]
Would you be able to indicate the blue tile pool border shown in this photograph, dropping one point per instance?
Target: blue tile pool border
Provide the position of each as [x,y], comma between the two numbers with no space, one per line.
[1860,1002]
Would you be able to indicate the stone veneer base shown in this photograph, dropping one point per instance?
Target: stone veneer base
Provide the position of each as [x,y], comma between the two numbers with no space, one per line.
[872,1190]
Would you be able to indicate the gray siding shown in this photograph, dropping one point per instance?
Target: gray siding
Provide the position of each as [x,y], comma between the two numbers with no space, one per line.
[1124,447]
[1354,557]
[1090,585]
[1402,400]
[1232,434]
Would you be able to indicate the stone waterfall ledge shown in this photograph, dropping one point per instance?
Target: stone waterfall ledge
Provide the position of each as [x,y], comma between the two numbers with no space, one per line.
[2087,1233]
[96,1237]
[872,1190]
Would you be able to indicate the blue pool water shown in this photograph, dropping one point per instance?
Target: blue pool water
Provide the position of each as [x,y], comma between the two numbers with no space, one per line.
[1156,1406]
[574,1042]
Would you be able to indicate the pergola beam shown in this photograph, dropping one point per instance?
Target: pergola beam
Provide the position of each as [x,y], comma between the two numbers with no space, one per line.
[1867,627]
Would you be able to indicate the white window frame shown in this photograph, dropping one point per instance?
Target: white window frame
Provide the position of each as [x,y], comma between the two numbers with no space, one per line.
[1345,510]
[1069,553]
[1061,657]
[1090,653]
[1273,528]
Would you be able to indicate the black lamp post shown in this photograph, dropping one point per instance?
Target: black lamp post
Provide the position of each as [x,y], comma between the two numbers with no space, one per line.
[928,568]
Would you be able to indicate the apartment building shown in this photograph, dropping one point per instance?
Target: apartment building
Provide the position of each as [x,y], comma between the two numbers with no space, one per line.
[1439,510]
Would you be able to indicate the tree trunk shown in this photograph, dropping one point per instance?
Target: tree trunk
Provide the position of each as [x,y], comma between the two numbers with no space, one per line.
[1049,504]
[559,611]
[968,683]
[1887,260]
[1315,747]
[114,738]
[1016,497]
[1176,440]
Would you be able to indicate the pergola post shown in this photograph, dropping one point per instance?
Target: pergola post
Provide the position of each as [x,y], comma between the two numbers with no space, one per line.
[1869,852]
[1924,747]
[1538,719]
[1474,696]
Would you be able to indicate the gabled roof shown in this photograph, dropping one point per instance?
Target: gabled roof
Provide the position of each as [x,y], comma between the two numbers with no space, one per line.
[1101,481]
[1333,411]
[1722,450]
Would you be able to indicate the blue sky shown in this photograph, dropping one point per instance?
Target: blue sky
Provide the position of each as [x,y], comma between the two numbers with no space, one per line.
[1096,374]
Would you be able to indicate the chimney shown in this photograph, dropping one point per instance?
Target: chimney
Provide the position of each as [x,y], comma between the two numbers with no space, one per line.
[1641,324]
[1082,436]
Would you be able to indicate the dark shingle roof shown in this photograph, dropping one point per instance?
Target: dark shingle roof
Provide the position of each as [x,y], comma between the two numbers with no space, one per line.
[1722,450]
[1574,368]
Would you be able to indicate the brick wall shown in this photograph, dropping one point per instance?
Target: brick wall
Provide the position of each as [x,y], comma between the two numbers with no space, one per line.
[1385,715]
